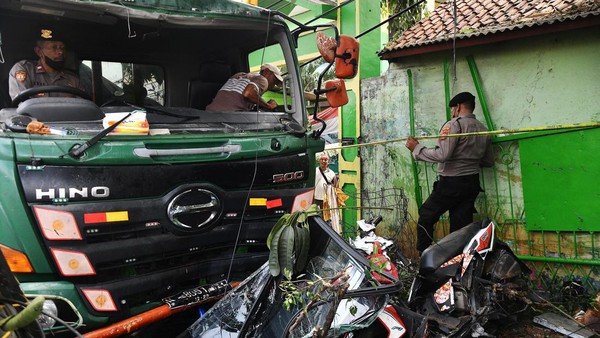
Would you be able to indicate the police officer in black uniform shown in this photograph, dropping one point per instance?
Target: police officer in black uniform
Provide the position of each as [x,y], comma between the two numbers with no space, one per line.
[459,161]
[49,69]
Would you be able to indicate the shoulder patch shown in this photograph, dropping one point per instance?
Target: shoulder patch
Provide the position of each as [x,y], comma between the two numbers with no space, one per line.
[445,131]
[21,76]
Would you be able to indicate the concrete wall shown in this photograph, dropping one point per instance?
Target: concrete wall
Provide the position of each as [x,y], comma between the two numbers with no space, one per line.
[531,82]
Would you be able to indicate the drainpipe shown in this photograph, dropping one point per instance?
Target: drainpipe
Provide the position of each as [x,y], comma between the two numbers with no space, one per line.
[411,110]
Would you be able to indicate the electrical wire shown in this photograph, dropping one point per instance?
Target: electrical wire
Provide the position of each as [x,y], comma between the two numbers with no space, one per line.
[130,34]
[237,239]
[58,320]
[372,28]
[455,21]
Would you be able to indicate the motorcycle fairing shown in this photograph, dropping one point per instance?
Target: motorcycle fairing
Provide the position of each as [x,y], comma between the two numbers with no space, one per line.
[483,241]
[444,296]
[392,322]
[446,248]
[480,244]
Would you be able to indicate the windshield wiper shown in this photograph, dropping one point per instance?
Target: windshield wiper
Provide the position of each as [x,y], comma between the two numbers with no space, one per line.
[78,150]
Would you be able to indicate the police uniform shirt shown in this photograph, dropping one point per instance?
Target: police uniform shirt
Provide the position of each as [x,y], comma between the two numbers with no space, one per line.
[28,74]
[459,156]
[230,97]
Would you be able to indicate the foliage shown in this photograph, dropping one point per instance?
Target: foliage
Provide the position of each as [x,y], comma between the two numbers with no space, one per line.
[311,71]
[398,25]
[289,241]
[312,293]
[149,76]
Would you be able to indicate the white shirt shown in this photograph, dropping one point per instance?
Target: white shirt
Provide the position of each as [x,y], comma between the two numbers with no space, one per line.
[320,182]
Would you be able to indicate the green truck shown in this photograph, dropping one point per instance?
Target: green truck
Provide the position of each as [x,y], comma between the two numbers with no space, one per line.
[107,222]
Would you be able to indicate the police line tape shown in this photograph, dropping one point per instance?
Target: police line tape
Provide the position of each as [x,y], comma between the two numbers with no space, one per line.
[587,125]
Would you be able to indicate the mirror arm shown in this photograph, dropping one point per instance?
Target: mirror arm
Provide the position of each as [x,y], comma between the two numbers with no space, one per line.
[318,91]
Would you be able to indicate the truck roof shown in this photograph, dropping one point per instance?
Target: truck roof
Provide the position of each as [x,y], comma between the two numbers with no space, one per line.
[195,8]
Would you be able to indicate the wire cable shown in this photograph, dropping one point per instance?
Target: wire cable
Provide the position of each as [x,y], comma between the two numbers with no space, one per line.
[58,320]
[237,239]
[455,20]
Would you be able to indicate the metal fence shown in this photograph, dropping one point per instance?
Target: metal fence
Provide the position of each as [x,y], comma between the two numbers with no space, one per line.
[561,261]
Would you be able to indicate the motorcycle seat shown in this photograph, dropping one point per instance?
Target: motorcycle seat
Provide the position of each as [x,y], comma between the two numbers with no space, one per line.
[447,248]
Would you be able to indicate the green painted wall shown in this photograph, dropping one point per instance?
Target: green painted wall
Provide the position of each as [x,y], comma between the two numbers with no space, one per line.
[566,179]
[531,82]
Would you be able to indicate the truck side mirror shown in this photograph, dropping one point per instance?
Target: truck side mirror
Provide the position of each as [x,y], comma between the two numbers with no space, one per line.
[326,46]
[335,91]
[346,54]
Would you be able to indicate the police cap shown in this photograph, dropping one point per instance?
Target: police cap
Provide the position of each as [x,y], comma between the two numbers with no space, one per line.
[49,34]
[461,98]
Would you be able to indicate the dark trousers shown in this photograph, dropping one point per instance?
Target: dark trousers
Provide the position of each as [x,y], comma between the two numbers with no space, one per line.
[455,194]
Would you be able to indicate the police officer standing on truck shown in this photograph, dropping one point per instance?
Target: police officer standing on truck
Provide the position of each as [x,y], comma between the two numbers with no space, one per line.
[49,69]
[459,160]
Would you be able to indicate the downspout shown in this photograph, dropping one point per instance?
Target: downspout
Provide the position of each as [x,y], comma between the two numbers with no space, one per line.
[411,111]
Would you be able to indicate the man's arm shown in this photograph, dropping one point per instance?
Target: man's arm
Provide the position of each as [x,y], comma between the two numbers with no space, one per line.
[251,94]
[443,150]
[19,79]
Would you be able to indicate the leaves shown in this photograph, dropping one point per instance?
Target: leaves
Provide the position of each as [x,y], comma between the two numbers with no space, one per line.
[274,266]
[289,242]
[353,309]
[280,222]
[286,251]
[401,23]
[302,238]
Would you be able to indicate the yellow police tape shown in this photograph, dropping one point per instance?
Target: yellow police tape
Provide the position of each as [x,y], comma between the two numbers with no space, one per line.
[480,133]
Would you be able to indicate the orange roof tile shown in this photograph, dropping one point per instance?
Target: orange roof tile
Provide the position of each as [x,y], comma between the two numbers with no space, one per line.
[483,17]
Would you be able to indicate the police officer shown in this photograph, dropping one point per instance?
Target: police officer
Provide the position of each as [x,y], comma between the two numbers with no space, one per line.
[459,160]
[49,69]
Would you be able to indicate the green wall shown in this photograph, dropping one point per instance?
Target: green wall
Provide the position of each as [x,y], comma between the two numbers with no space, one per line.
[561,189]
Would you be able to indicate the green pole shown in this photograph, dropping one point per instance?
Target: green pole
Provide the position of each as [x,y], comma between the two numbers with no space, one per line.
[411,110]
[480,94]
[560,260]
[447,88]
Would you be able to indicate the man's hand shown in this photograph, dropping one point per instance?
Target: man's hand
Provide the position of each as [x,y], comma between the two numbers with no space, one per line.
[272,104]
[411,143]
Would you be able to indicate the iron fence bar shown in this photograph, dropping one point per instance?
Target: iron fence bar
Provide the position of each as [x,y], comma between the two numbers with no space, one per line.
[577,261]
[478,88]
[447,89]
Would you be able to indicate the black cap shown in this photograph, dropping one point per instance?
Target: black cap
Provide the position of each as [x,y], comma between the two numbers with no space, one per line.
[460,98]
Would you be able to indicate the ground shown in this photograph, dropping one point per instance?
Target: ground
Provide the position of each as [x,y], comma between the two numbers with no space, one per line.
[526,328]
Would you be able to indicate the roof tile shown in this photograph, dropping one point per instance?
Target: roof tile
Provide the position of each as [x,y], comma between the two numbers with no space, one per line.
[475,17]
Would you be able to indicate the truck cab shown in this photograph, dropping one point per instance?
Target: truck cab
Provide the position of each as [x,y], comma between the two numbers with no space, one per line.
[108,221]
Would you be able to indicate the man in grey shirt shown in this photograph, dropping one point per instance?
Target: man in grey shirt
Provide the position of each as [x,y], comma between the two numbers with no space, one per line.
[459,160]
[244,90]
[49,69]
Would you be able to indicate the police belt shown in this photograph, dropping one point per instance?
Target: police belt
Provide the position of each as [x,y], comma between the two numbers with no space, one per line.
[459,179]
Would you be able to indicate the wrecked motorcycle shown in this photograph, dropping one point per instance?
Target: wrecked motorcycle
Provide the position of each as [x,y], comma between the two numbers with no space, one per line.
[336,295]
[467,280]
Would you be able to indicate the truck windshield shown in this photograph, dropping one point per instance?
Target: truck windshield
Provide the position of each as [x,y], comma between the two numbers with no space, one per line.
[172,75]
